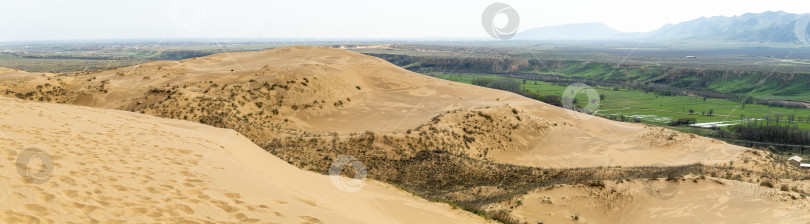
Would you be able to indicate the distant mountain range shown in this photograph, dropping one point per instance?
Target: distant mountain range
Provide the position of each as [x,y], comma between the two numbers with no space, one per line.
[773,27]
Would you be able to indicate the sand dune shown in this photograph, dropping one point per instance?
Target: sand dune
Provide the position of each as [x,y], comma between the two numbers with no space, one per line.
[690,200]
[12,75]
[114,166]
[321,90]
[307,105]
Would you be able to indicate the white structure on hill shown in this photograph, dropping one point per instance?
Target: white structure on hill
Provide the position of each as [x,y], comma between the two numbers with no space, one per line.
[797,161]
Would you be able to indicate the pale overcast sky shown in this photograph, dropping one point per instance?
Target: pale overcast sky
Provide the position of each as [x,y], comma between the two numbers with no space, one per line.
[116,19]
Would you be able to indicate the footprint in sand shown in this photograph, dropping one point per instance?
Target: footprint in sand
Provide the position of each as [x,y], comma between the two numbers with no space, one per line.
[228,208]
[152,190]
[233,195]
[70,193]
[84,207]
[310,219]
[241,217]
[14,217]
[203,197]
[155,214]
[67,180]
[119,188]
[36,209]
[46,197]
[184,208]
[136,210]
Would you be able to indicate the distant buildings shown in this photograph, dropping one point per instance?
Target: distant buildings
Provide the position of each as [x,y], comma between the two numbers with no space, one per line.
[691,57]
[797,161]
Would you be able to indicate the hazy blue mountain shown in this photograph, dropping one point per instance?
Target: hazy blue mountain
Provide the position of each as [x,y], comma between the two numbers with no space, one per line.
[769,27]
[749,27]
[576,31]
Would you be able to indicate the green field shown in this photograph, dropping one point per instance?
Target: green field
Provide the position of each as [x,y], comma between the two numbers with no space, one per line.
[62,65]
[658,109]
[759,85]
[741,72]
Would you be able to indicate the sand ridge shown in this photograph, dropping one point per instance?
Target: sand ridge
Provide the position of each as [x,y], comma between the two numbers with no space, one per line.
[115,166]
[314,91]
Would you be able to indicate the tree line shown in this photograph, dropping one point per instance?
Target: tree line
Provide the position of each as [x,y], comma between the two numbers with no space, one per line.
[763,131]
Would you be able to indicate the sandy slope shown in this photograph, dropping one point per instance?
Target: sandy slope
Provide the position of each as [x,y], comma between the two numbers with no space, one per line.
[7,74]
[374,95]
[692,200]
[605,143]
[121,166]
